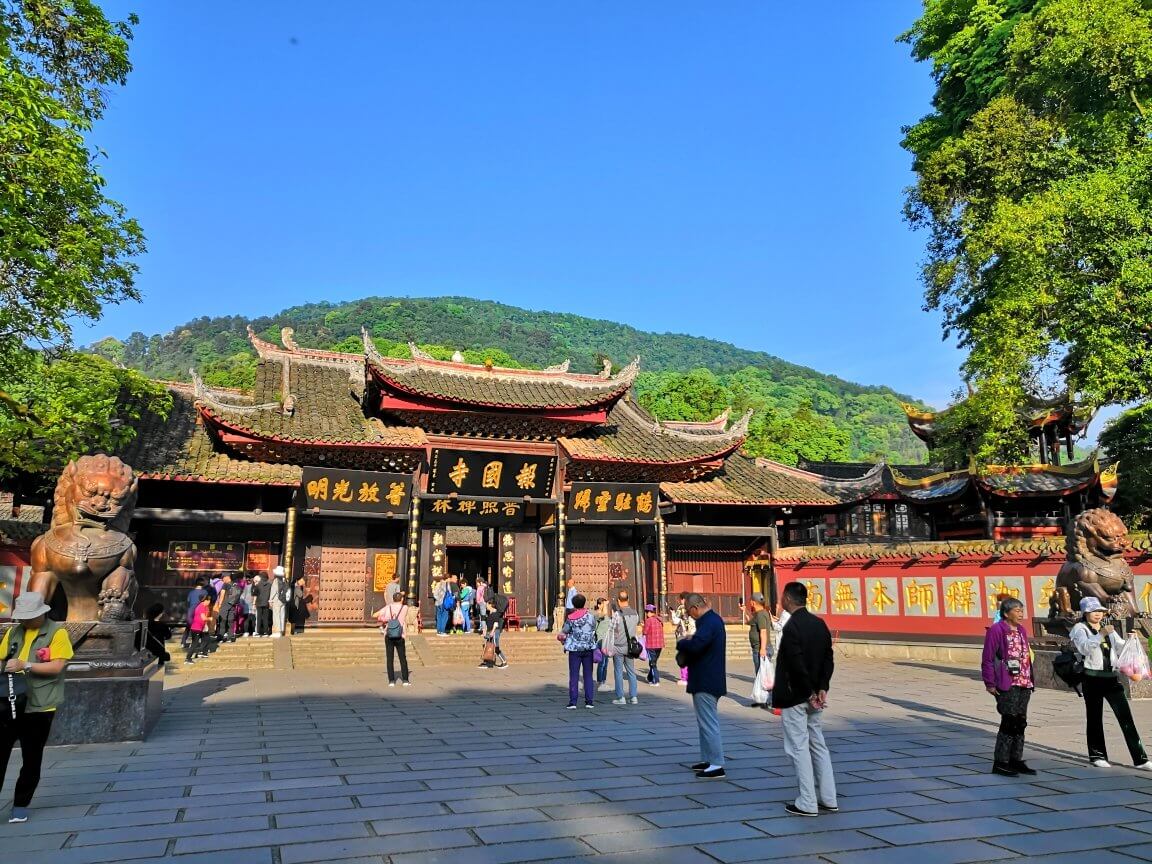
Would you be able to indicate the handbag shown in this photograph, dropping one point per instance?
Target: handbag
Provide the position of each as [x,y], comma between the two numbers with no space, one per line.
[635,649]
[489,655]
[458,617]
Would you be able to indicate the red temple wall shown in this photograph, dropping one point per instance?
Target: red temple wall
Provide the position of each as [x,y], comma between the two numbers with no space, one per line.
[931,598]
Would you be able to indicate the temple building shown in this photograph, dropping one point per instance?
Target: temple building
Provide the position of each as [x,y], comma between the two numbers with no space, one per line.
[359,470]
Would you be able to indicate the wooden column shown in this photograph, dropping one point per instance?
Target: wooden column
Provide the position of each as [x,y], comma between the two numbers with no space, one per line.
[662,559]
[287,547]
[561,564]
[413,550]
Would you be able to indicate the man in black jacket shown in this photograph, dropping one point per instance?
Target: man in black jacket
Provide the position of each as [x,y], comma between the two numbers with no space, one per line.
[803,674]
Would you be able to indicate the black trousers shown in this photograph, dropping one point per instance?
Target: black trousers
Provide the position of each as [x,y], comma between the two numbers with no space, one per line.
[391,648]
[31,730]
[1012,706]
[196,644]
[1097,690]
[263,620]
[226,626]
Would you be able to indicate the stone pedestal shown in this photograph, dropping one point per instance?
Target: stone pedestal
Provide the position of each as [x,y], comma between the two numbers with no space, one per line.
[113,690]
[108,706]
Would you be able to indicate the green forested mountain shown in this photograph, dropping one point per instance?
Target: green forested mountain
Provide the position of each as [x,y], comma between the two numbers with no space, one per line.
[799,412]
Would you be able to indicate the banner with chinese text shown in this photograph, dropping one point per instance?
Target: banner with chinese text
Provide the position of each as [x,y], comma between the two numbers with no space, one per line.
[491,475]
[596,502]
[366,493]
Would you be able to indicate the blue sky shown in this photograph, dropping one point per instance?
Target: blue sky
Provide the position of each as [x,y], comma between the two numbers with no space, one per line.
[729,170]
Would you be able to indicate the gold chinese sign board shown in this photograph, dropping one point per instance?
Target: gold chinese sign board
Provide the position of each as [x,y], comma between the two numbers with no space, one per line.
[205,556]
[603,502]
[491,475]
[383,571]
[927,596]
[363,493]
[471,511]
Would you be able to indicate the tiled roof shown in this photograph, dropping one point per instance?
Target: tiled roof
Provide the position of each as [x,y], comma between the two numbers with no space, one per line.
[744,480]
[1040,480]
[630,435]
[496,387]
[179,448]
[325,402]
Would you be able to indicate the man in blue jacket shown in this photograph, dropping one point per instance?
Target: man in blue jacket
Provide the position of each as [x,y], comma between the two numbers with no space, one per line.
[704,655]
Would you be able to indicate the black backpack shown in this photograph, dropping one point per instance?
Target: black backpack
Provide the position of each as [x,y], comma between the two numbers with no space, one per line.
[1069,668]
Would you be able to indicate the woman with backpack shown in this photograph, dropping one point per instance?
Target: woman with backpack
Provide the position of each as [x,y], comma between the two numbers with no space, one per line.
[1098,646]
[466,597]
[392,623]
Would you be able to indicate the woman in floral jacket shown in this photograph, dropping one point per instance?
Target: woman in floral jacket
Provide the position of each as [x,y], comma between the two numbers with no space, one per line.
[1006,668]
[579,637]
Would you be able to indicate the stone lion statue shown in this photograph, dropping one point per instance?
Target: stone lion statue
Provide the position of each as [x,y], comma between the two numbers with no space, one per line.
[1095,566]
[86,551]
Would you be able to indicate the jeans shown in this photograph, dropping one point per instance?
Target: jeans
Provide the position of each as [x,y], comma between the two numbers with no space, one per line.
[708,720]
[577,661]
[602,669]
[392,646]
[653,672]
[1012,706]
[804,745]
[31,730]
[1097,690]
[621,665]
[442,618]
[466,611]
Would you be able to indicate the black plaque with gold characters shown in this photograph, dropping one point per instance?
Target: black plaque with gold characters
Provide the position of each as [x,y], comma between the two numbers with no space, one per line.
[491,475]
[470,511]
[365,493]
[612,502]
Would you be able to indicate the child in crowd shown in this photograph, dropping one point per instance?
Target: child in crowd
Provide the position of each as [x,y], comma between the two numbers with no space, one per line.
[653,642]
[196,645]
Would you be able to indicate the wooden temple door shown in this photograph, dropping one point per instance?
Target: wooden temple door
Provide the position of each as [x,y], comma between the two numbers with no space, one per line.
[343,573]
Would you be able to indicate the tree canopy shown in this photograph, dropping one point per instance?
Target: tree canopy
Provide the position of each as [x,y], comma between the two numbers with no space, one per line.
[1034,181]
[1128,440]
[66,249]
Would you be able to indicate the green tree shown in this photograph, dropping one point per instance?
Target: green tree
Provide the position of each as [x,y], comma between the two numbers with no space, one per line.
[77,404]
[65,248]
[1034,181]
[1128,440]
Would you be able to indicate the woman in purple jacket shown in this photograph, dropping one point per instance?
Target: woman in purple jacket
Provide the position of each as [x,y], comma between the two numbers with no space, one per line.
[1007,672]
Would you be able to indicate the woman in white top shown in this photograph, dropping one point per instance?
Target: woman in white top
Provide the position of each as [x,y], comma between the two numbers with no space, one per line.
[393,622]
[1098,645]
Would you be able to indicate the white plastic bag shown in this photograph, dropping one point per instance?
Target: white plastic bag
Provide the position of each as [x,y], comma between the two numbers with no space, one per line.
[609,646]
[1132,659]
[764,682]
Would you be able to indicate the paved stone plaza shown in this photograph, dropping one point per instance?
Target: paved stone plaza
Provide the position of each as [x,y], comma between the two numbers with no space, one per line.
[484,767]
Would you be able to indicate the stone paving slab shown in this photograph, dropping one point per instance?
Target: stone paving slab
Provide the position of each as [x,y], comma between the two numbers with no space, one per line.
[291,767]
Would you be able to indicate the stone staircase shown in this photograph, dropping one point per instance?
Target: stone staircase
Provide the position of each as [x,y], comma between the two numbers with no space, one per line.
[329,648]
[244,653]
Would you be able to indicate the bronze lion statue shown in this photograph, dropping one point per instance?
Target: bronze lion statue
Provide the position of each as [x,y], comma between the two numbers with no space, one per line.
[86,550]
[1095,566]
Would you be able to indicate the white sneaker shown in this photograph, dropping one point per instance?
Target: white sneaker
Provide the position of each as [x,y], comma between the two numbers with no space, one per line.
[391,683]
[1144,766]
[634,701]
[277,635]
[620,701]
[1101,763]
[407,683]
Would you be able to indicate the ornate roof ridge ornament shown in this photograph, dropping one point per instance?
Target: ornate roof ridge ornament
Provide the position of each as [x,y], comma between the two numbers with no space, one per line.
[265,350]
[739,430]
[219,401]
[559,367]
[419,353]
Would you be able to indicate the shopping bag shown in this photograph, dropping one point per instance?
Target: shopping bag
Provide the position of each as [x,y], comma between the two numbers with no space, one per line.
[1132,659]
[643,648]
[458,617]
[609,646]
[763,684]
